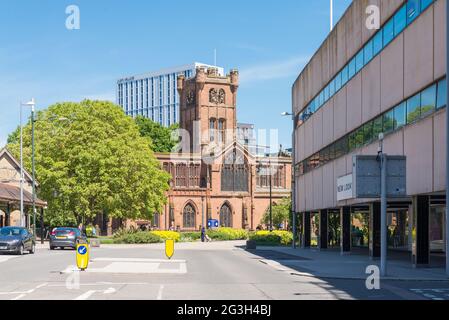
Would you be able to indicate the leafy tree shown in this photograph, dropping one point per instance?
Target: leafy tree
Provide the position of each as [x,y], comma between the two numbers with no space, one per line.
[281,213]
[90,160]
[161,137]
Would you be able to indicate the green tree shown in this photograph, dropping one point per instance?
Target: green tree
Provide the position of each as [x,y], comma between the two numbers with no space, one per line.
[161,137]
[281,213]
[90,160]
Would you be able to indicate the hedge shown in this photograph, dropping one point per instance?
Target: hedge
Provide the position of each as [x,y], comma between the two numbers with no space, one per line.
[167,235]
[276,237]
[190,236]
[226,234]
[139,237]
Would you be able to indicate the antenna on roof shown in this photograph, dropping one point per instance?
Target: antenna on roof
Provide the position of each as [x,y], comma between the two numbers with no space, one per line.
[332,15]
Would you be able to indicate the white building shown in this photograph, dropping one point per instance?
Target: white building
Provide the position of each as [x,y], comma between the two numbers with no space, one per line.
[154,95]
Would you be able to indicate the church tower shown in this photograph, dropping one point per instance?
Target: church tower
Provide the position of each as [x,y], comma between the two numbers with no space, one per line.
[208,108]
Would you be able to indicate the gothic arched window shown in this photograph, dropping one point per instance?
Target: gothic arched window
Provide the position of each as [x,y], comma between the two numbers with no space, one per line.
[213,96]
[226,216]
[235,172]
[221,96]
[188,216]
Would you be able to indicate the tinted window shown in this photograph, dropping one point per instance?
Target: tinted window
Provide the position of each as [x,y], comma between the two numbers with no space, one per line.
[413,108]
[377,42]
[412,10]
[377,127]
[428,100]
[359,61]
[332,88]
[425,4]
[338,82]
[326,93]
[399,115]
[344,76]
[388,122]
[388,31]
[400,20]
[351,68]
[367,133]
[442,94]
[368,51]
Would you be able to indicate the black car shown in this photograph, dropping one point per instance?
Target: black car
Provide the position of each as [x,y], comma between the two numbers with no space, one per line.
[16,240]
[66,238]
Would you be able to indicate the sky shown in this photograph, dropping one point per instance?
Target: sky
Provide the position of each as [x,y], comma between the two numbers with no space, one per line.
[268,41]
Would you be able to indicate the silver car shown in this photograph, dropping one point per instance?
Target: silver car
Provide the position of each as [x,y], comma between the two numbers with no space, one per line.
[16,240]
[66,238]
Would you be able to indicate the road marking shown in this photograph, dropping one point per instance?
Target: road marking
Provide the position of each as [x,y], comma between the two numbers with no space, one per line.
[159,294]
[134,266]
[89,293]
[104,284]
[23,294]
[433,294]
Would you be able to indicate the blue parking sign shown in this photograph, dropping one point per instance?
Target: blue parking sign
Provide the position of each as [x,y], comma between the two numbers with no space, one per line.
[212,223]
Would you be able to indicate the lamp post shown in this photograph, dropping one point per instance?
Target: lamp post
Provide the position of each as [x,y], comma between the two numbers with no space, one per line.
[22,222]
[447,139]
[271,195]
[284,114]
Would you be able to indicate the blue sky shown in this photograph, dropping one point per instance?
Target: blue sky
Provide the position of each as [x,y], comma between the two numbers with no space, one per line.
[268,41]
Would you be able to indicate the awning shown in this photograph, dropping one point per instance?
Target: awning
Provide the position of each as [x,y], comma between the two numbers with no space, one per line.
[11,194]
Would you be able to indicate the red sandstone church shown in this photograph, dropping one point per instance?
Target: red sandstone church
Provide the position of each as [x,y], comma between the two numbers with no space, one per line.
[214,176]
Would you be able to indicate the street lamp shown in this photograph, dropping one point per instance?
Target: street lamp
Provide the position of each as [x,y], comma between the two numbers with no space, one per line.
[22,222]
[285,114]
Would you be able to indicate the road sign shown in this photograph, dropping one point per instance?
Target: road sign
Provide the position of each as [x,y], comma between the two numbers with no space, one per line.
[169,248]
[82,256]
[366,173]
[212,223]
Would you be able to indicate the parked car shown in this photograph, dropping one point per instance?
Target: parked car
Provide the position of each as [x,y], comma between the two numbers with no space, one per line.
[66,238]
[16,240]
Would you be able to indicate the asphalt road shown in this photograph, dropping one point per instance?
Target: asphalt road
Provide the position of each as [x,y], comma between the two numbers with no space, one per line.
[198,271]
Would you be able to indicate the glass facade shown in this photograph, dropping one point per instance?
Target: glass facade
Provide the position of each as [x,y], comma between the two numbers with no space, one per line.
[391,29]
[413,109]
[154,96]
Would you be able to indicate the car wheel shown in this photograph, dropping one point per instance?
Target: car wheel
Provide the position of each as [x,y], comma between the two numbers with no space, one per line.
[52,248]
[20,251]
[33,249]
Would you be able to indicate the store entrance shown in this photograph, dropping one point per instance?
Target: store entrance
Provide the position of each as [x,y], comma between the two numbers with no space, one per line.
[437,235]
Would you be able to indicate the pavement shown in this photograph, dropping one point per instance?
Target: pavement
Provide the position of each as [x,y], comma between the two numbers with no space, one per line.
[331,264]
[199,271]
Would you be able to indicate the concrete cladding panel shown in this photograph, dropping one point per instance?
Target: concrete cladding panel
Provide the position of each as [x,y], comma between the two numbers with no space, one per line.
[418,149]
[388,8]
[308,187]
[329,185]
[317,120]
[301,194]
[354,18]
[340,30]
[440,145]
[394,143]
[354,102]
[418,53]
[371,90]
[440,38]
[308,138]
[300,143]
[318,188]
[392,73]
[340,117]
[328,122]
[367,33]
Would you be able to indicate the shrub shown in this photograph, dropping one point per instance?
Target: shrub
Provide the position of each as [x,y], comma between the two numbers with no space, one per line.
[167,235]
[226,234]
[124,232]
[139,237]
[190,236]
[272,238]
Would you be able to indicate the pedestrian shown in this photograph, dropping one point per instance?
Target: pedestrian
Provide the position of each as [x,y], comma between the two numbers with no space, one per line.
[203,234]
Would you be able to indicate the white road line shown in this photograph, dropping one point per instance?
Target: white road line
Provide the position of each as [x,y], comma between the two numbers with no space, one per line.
[159,294]
[23,294]
[136,260]
[86,295]
[89,293]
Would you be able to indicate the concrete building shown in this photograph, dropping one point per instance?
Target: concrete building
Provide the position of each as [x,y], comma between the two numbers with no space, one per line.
[154,95]
[214,176]
[360,83]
